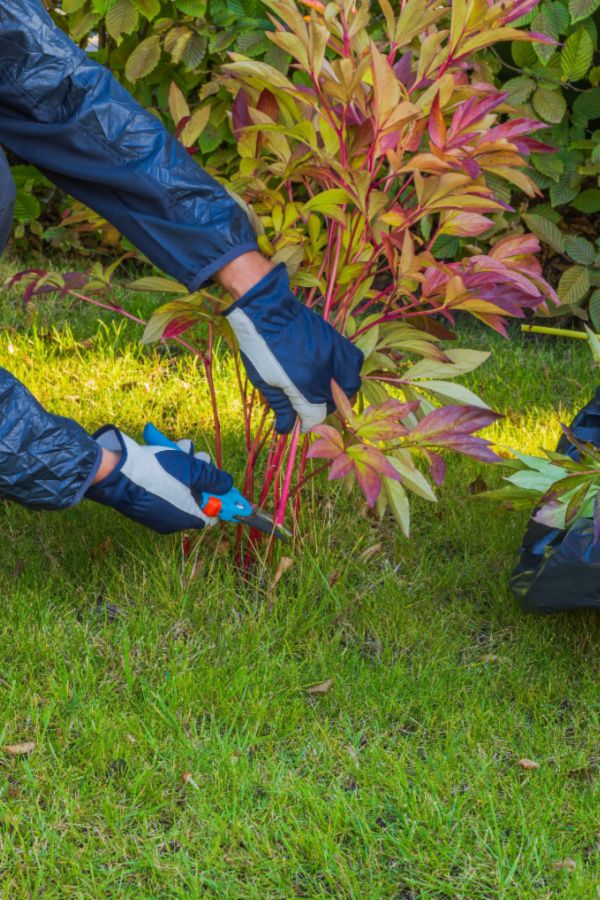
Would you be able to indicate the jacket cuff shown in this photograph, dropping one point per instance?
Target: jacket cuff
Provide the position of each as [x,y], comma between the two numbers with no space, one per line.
[208,271]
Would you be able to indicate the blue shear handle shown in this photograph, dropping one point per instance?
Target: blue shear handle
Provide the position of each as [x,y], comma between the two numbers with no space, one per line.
[234,505]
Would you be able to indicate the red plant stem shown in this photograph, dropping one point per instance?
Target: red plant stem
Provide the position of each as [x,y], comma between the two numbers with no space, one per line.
[244,399]
[289,471]
[301,476]
[215,411]
[254,451]
[373,300]
[110,307]
[332,275]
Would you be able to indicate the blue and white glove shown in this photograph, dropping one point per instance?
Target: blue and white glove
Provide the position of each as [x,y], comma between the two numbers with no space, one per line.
[157,486]
[291,353]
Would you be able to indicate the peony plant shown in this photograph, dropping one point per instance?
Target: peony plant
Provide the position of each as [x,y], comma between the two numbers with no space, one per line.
[379,146]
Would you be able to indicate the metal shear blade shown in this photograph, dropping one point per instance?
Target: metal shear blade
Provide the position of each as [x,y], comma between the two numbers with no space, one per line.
[262,521]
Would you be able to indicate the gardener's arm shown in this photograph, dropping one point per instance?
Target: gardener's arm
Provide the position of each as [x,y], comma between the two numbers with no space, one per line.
[50,462]
[67,114]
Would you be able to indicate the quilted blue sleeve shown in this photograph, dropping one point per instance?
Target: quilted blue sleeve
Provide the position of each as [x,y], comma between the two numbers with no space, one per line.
[66,114]
[46,461]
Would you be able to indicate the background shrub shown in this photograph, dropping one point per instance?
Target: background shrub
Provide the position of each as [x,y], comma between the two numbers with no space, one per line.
[560,85]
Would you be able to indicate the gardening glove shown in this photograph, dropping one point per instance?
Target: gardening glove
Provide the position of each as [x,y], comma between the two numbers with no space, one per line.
[159,487]
[291,353]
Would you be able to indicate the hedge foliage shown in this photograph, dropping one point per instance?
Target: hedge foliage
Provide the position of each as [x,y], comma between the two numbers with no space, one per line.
[152,45]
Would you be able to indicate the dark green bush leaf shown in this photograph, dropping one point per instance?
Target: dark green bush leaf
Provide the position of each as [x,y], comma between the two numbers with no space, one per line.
[594,309]
[580,250]
[588,201]
[519,89]
[576,55]
[546,231]
[573,285]
[550,105]
[581,9]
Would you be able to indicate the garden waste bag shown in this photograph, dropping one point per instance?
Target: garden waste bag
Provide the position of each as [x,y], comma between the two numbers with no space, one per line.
[559,569]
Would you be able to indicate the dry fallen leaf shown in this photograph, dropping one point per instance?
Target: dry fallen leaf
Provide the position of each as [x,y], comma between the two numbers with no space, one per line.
[19,749]
[333,578]
[369,553]
[188,778]
[528,764]
[568,864]
[285,564]
[322,688]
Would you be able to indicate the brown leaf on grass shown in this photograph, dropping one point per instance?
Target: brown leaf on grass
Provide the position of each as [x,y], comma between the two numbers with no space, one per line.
[333,578]
[103,548]
[568,864]
[369,553]
[188,778]
[285,564]
[322,688]
[19,749]
[528,764]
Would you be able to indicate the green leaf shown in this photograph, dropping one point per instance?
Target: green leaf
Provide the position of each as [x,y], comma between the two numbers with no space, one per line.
[144,59]
[148,8]
[196,8]
[566,189]
[27,207]
[573,285]
[587,104]
[452,392]
[581,9]
[523,54]
[550,105]
[122,18]
[328,203]
[546,231]
[588,201]
[580,250]
[399,504]
[156,284]
[519,89]
[549,164]
[594,309]
[545,23]
[576,55]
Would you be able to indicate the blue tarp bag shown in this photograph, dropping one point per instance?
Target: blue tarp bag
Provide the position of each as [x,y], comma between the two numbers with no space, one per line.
[559,569]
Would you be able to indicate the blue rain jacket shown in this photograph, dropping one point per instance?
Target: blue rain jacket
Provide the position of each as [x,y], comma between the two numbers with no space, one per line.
[67,115]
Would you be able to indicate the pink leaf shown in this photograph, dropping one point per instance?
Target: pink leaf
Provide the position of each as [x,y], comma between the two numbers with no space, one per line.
[437,466]
[240,113]
[328,446]
[452,420]
[369,482]
[342,403]
[340,467]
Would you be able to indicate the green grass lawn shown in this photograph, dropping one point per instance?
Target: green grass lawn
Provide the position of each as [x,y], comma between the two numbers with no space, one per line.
[128,670]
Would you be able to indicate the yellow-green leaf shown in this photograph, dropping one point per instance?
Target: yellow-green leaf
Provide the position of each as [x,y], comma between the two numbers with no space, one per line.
[574,284]
[144,59]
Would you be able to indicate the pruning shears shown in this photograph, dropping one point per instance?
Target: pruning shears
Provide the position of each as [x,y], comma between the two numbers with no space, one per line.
[229,507]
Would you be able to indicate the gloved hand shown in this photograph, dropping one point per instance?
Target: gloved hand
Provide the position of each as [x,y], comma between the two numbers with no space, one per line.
[290,353]
[157,486]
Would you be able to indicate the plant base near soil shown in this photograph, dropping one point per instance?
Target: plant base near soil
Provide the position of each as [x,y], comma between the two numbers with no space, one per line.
[178,750]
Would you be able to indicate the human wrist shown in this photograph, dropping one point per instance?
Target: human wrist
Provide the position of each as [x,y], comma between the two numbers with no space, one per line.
[109,462]
[243,273]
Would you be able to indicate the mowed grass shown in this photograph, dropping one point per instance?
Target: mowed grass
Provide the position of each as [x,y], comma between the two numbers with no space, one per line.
[178,752]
